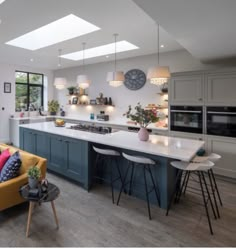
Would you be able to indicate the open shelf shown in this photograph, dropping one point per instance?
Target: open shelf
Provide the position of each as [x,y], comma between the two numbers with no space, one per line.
[157,107]
[76,95]
[92,105]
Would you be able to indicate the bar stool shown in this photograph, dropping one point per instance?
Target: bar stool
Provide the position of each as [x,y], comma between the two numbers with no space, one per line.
[213,157]
[145,163]
[199,169]
[107,156]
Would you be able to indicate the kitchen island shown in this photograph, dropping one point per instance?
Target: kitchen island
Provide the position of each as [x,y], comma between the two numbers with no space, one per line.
[69,153]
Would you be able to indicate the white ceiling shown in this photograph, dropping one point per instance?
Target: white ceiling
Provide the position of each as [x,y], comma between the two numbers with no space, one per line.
[206,28]
[112,16]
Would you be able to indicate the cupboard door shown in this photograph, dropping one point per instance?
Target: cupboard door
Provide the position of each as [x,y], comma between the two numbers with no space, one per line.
[226,147]
[27,140]
[56,154]
[221,89]
[186,90]
[76,159]
[41,144]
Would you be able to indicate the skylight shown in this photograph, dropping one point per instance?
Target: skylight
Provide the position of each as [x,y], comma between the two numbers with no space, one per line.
[63,29]
[122,46]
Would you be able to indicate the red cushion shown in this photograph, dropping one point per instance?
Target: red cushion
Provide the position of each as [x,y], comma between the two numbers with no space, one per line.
[4,157]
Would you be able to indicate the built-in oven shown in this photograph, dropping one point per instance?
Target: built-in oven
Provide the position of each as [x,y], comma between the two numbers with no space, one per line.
[186,119]
[221,121]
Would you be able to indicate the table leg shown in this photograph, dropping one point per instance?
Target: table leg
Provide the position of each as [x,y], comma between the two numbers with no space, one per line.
[55,214]
[31,207]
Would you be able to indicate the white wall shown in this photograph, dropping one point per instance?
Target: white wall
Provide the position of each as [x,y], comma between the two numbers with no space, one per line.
[7,100]
[178,61]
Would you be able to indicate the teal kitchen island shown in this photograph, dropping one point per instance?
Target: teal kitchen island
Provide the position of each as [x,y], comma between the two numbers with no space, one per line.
[70,154]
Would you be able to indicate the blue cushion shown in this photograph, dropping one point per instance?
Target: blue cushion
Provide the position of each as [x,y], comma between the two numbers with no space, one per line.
[11,168]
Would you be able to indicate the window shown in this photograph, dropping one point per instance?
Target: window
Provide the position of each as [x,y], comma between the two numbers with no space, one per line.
[29,90]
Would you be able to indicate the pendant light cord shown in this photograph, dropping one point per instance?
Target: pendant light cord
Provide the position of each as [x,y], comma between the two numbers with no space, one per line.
[84,56]
[158,44]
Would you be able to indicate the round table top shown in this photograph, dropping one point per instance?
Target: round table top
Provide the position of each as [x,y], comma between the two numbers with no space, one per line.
[50,195]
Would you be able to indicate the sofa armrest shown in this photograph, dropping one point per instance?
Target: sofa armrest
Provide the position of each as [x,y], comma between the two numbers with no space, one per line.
[13,184]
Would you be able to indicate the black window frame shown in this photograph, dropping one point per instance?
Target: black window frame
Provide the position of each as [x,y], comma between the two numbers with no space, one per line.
[28,84]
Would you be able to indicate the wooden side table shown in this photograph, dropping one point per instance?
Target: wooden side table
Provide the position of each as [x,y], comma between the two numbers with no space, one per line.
[50,196]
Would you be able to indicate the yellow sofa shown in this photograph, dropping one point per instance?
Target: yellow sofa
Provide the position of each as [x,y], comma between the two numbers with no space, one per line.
[9,190]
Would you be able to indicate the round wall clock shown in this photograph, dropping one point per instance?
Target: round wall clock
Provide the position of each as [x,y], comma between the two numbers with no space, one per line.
[135,79]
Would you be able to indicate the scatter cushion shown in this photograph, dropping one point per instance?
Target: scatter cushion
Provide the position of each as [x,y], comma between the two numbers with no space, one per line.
[4,156]
[11,168]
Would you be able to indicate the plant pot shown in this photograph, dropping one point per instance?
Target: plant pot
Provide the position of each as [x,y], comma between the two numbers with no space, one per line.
[53,113]
[33,183]
[143,134]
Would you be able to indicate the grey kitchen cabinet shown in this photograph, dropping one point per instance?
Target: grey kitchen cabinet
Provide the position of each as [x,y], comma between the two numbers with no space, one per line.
[221,88]
[66,156]
[226,147]
[187,89]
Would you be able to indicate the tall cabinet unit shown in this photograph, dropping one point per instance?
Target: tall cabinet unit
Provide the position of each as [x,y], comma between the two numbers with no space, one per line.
[187,89]
[208,88]
[221,88]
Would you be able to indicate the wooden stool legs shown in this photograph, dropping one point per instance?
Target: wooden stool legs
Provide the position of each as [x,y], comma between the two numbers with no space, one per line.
[31,208]
[55,214]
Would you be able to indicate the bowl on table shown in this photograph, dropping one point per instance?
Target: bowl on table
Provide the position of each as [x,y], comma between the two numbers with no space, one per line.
[59,123]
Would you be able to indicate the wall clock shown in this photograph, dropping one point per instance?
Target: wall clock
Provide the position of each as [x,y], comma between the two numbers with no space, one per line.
[135,79]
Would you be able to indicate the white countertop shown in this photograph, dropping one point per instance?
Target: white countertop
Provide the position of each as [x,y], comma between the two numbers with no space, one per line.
[107,123]
[30,118]
[170,147]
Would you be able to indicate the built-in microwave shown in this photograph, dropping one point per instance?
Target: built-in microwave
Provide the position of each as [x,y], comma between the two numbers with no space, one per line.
[186,119]
[221,121]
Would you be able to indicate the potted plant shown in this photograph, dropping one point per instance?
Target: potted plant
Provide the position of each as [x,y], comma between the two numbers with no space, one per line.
[34,173]
[53,107]
[71,90]
[143,117]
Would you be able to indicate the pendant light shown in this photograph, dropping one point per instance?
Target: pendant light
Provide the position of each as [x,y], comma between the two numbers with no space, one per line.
[115,78]
[59,82]
[82,79]
[160,74]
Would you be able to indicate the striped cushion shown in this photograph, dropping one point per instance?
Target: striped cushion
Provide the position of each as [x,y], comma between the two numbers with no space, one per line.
[11,168]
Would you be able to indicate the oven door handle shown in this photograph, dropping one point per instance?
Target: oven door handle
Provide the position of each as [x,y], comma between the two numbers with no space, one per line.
[184,111]
[225,113]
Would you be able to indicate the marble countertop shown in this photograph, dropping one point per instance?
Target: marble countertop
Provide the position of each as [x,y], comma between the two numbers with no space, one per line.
[170,147]
[107,123]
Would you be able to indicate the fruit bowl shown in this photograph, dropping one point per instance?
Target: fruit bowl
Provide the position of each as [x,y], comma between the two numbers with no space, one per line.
[59,123]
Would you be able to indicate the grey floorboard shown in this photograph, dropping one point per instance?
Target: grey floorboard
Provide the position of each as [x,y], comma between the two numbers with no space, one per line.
[91,220]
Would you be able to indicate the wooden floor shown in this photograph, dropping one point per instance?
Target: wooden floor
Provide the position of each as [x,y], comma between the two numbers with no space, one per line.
[91,220]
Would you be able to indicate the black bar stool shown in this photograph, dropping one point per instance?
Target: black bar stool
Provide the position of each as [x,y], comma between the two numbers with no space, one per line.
[145,163]
[211,178]
[198,169]
[108,156]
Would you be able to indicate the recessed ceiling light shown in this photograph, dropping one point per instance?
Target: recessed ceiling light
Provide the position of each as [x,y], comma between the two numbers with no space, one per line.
[101,50]
[31,59]
[63,29]
[162,46]
[107,56]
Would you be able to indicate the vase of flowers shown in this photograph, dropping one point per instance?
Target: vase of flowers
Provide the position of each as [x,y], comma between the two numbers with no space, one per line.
[143,117]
